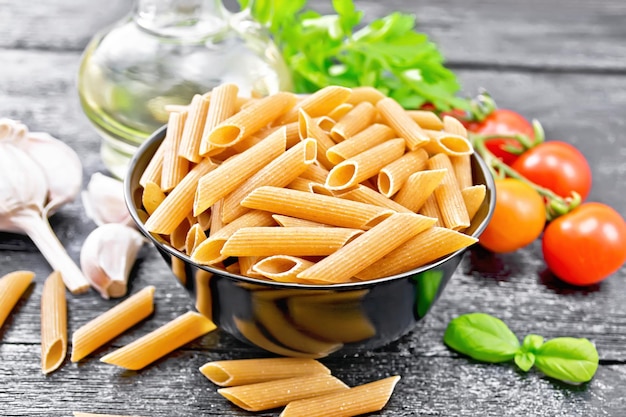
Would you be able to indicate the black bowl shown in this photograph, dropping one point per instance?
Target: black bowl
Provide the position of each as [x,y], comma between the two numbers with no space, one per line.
[300,320]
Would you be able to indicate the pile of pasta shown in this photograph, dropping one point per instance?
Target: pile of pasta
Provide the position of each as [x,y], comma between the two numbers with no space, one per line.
[304,386]
[342,185]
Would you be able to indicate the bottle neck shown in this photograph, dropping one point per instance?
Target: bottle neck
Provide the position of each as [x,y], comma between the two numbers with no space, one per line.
[181,18]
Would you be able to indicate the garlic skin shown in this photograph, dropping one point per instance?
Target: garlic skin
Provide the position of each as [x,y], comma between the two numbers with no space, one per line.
[104,201]
[108,255]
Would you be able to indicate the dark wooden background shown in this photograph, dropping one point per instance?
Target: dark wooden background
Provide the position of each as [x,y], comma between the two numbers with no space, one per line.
[561,61]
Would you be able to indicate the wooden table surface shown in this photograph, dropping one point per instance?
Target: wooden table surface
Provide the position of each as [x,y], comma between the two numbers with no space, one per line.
[561,61]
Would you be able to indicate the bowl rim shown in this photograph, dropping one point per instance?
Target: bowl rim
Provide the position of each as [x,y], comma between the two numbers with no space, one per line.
[159,135]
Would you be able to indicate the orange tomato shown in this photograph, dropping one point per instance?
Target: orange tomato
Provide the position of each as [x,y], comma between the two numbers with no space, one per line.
[518,219]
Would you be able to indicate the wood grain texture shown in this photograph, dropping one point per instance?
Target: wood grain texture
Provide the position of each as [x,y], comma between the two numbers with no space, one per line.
[562,62]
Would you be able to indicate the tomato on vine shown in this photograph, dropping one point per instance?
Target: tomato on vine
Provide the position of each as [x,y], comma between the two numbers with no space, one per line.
[586,245]
[518,218]
[507,123]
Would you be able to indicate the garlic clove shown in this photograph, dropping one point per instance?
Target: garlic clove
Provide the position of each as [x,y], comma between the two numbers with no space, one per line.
[104,201]
[108,255]
[12,130]
[60,164]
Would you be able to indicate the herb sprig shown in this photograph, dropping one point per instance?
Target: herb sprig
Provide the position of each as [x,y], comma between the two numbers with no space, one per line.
[488,339]
[387,53]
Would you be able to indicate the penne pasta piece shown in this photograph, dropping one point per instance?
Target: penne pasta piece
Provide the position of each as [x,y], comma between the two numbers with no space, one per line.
[318,208]
[339,111]
[178,238]
[292,133]
[234,268]
[353,122]
[173,210]
[251,119]
[236,372]
[281,268]
[300,184]
[167,338]
[362,141]
[449,199]
[279,172]
[152,197]
[294,241]
[12,286]
[426,119]
[216,217]
[395,116]
[308,129]
[194,125]
[325,123]
[365,93]
[315,173]
[362,399]
[317,104]
[453,125]
[283,331]
[430,208]
[222,106]
[204,303]
[366,249]
[423,249]
[273,394]
[154,168]
[80,414]
[287,221]
[418,188]
[195,236]
[360,167]
[112,323]
[473,198]
[366,195]
[204,219]
[245,266]
[448,143]
[53,323]
[462,170]
[233,172]
[175,167]
[393,176]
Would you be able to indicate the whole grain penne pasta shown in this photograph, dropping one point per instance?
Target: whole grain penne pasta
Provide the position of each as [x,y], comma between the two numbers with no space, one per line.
[112,323]
[245,266]
[152,197]
[453,212]
[281,268]
[362,399]
[175,167]
[195,236]
[315,173]
[236,372]
[448,143]
[340,111]
[288,221]
[209,251]
[292,133]
[272,394]
[366,195]
[422,249]
[453,125]
[392,177]
[325,123]
[418,188]
[426,119]
[315,207]
[395,116]
[473,198]
[360,167]
[295,241]
[173,210]
[12,286]
[216,217]
[462,170]
[308,129]
[283,331]
[194,125]
[366,249]
[53,323]
[178,238]
[154,168]
[234,171]
[278,173]
[300,184]
[222,106]
[251,119]
[158,343]
[354,121]
[365,93]
[430,208]
[362,141]
[317,104]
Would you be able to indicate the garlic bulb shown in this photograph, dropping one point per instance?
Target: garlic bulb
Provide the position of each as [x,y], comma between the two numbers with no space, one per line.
[108,255]
[26,196]
[104,201]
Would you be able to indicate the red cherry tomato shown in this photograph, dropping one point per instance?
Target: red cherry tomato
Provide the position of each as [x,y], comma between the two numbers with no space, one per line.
[587,245]
[505,122]
[557,166]
[518,219]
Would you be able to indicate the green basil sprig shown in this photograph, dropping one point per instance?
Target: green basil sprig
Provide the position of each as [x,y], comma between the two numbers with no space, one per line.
[488,339]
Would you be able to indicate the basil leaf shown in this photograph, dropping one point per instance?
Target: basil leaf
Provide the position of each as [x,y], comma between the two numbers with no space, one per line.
[482,337]
[532,343]
[524,360]
[568,359]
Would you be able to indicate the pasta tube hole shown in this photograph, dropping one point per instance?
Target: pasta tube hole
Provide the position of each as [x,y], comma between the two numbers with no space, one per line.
[225,135]
[54,356]
[384,183]
[341,176]
[216,374]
